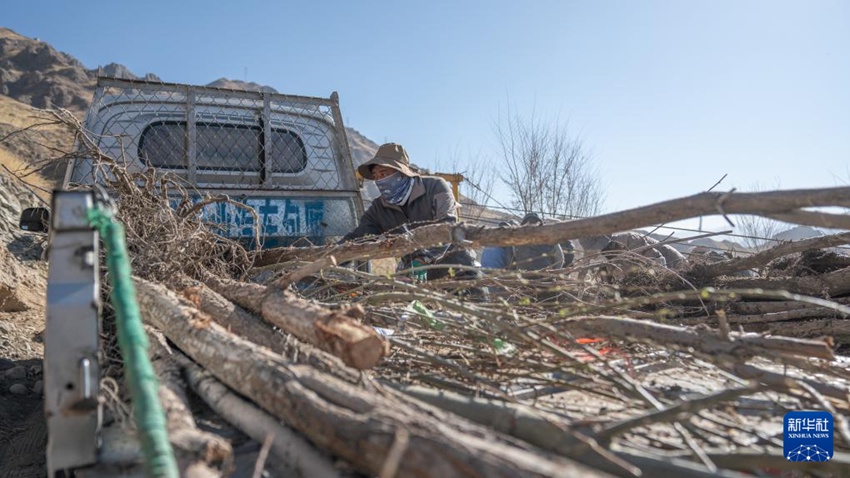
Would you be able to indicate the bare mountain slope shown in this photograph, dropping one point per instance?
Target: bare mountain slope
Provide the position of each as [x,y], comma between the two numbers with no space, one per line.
[21,151]
[35,73]
[362,148]
[241,85]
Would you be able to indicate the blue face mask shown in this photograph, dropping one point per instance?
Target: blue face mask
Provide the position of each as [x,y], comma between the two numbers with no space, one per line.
[395,189]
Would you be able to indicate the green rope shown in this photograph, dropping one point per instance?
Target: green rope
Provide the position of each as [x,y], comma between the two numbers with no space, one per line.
[141,379]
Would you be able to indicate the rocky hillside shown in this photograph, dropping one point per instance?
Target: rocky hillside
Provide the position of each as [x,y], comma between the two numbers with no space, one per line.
[34,73]
[35,148]
[241,85]
[16,291]
[362,148]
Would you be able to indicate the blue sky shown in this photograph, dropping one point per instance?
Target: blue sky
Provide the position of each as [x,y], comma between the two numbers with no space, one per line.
[667,95]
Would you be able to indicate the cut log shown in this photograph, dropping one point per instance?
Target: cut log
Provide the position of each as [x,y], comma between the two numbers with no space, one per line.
[344,420]
[763,203]
[783,316]
[764,257]
[824,285]
[338,332]
[527,424]
[289,448]
[232,317]
[838,329]
[768,307]
[714,347]
[249,326]
[192,447]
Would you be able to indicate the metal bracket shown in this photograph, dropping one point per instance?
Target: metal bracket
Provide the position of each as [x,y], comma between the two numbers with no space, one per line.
[71,366]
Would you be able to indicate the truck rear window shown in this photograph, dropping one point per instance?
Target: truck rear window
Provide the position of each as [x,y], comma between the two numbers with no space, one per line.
[221,147]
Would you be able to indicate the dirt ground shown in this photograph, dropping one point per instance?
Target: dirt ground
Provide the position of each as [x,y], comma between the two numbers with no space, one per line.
[23,430]
[23,278]
[23,433]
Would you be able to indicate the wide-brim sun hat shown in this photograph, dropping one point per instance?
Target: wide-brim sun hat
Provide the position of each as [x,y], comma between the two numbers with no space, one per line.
[391,155]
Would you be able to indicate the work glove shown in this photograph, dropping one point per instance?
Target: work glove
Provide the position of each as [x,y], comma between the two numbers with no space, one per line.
[418,274]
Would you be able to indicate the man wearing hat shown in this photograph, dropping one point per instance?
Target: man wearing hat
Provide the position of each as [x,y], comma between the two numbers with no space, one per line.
[409,200]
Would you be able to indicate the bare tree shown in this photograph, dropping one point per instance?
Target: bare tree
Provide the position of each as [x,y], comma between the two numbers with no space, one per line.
[479,179]
[477,187]
[545,168]
[759,230]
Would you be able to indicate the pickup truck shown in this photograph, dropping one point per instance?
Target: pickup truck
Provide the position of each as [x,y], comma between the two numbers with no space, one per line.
[285,156]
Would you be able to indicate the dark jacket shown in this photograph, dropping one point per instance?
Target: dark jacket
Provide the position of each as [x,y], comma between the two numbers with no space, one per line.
[430,201]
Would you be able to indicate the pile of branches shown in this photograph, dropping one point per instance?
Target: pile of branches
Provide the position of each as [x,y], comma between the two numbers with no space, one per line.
[636,366]
[635,372]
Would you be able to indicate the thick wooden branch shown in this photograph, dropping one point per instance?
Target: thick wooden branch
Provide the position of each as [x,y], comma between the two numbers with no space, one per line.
[532,426]
[703,204]
[839,329]
[823,285]
[685,408]
[776,306]
[290,449]
[762,258]
[527,424]
[794,314]
[193,447]
[755,460]
[248,326]
[785,383]
[346,421]
[739,347]
[338,332]
[789,346]
[813,218]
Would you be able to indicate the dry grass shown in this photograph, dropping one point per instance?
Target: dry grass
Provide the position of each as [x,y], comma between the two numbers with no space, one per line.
[36,182]
[29,141]
[17,114]
[6,33]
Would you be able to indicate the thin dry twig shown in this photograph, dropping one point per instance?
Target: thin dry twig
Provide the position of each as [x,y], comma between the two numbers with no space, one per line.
[260,465]
[595,356]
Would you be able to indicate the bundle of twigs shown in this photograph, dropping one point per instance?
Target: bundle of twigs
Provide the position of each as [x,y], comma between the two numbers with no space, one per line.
[637,371]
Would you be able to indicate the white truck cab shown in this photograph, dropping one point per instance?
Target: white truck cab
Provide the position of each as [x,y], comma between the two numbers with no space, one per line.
[285,156]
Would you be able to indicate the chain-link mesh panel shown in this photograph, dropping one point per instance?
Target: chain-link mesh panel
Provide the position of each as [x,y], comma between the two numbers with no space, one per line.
[216,138]
[285,156]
